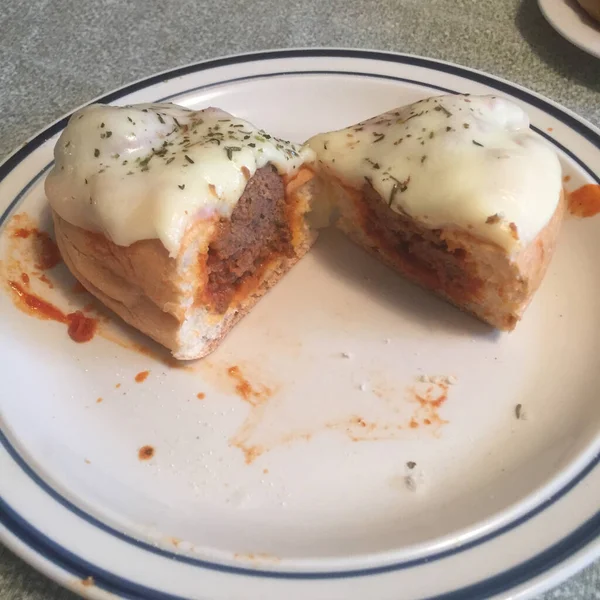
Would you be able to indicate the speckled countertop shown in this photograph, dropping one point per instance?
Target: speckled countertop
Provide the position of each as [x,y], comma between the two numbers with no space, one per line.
[58,54]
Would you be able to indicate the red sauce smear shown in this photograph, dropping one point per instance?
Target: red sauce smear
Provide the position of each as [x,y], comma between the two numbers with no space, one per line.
[25,278]
[81,328]
[145,452]
[585,201]
[245,390]
[243,387]
[46,251]
[436,402]
[200,396]
[142,376]
[45,280]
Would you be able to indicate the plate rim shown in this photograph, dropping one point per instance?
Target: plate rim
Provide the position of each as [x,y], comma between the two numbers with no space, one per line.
[545,5]
[583,127]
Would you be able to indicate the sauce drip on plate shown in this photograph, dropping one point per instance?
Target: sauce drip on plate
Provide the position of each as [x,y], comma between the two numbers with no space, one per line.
[585,201]
[81,328]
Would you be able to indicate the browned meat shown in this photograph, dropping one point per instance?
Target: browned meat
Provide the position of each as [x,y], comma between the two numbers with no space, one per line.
[434,260]
[257,231]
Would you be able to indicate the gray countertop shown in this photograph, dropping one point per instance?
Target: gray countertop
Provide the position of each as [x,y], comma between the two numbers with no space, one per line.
[58,54]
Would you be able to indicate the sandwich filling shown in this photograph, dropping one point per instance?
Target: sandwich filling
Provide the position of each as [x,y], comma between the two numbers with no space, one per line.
[151,171]
[454,192]
[469,162]
[258,232]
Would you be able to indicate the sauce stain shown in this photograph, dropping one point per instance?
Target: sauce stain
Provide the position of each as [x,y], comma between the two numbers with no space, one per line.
[200,396]
[117,386]
[35,250]
[44,279]
[566,179]
[429,397]
[245,390]
[48,255]
[88,581]
[585,201]
[98,400]
[402,416]
[45,250]
[36,306]
[81,328]
[256,557]
[142,376]
[145,452]
[21,232]
[30,249]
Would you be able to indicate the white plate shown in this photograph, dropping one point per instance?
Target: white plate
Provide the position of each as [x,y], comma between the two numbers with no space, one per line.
[573,23]
[328,508]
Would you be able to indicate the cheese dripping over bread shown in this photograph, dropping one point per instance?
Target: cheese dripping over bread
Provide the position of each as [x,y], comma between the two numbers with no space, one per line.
[452,161]
[150,171]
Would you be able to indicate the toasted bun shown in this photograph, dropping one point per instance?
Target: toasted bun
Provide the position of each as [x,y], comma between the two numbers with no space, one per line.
[475,275]
[158,294]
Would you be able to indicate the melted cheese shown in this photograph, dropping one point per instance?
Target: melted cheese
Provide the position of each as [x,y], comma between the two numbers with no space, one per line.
[465,161]
[150,171]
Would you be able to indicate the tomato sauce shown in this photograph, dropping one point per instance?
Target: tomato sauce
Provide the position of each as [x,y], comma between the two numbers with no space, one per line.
[585,201]
[145,452]
[46,252]
[81,328]
[142,376]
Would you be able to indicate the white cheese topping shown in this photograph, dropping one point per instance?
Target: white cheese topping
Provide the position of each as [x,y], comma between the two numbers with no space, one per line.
[149,171]
[467,161]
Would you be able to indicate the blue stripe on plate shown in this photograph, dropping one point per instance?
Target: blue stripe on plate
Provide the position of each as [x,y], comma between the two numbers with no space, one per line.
[407,564]
[125,588]
[518,575]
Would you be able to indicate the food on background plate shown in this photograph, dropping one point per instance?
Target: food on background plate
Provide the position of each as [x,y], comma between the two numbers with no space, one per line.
[592,7]
[178,220]
[454,192]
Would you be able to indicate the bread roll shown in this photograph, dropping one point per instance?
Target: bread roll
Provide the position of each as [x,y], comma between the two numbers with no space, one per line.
[453,192]
[178,220]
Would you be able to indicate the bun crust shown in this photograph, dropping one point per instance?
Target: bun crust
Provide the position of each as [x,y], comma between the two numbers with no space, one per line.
[475,275]
[159,295]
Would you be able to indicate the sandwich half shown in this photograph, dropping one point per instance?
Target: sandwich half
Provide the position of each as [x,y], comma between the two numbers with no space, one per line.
[178,220]
[456,193]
